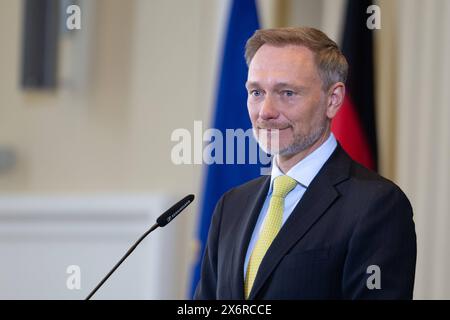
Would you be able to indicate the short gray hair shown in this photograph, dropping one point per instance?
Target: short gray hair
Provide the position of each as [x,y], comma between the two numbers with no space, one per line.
[330,61]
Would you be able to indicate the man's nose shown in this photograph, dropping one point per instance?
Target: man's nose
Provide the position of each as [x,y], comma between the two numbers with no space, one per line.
[268,109]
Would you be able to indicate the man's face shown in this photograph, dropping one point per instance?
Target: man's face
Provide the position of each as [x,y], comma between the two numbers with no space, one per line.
[285,93]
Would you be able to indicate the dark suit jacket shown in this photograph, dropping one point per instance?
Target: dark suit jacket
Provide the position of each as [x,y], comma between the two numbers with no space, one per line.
[349,219]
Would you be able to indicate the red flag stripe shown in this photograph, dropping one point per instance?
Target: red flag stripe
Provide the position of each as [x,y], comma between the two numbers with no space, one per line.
[348,130]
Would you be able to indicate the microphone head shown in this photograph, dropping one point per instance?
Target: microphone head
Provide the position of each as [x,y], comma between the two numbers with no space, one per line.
[175,210]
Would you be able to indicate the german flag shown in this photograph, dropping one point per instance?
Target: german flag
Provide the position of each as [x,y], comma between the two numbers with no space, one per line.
[354,126]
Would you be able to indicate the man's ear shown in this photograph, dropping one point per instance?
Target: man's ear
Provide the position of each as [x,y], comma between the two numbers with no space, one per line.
[336,96]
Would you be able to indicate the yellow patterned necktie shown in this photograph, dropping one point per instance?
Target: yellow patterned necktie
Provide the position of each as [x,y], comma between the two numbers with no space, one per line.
[282,185]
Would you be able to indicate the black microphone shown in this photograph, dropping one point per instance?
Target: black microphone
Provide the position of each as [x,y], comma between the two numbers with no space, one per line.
[163,220]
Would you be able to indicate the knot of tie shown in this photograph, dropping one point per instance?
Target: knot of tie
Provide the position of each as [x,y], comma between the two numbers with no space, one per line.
[282,185]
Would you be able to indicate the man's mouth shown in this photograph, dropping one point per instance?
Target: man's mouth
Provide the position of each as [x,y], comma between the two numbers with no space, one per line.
[274,129]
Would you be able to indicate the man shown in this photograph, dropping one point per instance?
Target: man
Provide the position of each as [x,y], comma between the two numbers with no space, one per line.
[321,226]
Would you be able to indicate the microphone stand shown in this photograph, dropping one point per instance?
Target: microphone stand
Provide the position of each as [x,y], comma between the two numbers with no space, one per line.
[121,260]
[162,220]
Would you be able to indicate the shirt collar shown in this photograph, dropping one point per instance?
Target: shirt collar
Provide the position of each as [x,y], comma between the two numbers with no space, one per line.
[306,169]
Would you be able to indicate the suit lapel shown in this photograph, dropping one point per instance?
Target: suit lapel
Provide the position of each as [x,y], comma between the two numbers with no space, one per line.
[249,215]
[319,196]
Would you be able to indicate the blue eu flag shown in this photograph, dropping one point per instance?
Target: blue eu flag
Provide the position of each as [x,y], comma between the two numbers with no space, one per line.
[230,113]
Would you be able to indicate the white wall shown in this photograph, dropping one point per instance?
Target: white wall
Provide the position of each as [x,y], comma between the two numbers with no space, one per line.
[136,71]
[423,135]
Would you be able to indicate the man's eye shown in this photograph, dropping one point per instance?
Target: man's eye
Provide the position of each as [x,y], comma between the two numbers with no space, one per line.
[288,93]
[255,93]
